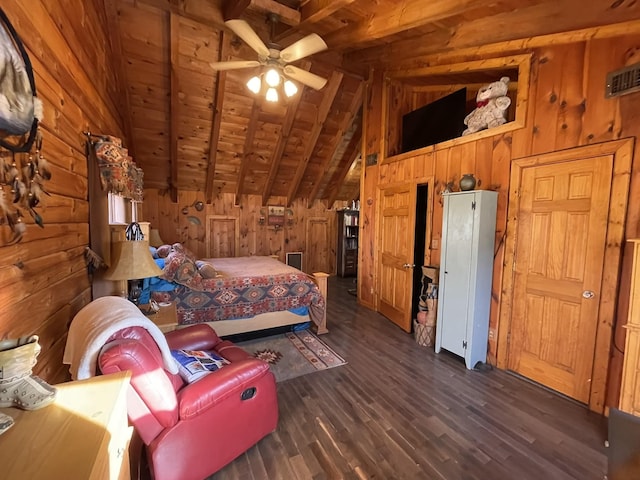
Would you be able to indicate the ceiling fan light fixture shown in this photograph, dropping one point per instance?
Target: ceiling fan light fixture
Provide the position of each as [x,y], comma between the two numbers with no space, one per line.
[290,88]
[271,95]
[254,84]
[272,77]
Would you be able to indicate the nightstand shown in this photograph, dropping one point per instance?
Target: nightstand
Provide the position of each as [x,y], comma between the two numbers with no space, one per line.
[166,318]
[83,434]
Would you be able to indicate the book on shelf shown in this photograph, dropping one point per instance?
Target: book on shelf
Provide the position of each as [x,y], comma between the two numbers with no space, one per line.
[195,364]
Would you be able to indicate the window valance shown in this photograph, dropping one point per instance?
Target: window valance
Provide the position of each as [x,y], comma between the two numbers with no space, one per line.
[118,172]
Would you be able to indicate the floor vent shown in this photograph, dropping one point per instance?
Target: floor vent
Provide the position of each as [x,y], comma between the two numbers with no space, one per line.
[294,259]
[623,81]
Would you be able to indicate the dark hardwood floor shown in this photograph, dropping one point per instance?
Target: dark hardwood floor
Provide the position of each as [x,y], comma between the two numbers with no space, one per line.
[399,411]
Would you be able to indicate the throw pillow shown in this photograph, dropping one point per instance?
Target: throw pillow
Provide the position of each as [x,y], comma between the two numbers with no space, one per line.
[206,269]
[179,268]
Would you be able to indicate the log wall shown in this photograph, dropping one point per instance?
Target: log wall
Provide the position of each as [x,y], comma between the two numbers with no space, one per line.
[43,279]
[567,108]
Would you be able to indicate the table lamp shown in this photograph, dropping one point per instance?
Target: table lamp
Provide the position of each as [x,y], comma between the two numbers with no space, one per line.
[154,238]
[132,261]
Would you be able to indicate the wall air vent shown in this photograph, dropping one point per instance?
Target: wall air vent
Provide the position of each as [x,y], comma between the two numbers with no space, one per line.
[623,81]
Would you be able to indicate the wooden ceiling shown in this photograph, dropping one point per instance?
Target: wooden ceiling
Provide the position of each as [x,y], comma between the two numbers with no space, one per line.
[192,128]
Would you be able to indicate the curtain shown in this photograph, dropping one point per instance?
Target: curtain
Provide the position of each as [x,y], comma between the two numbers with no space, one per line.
[118,172]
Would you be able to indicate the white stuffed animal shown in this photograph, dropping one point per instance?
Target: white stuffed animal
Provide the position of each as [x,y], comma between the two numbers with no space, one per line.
[491,105]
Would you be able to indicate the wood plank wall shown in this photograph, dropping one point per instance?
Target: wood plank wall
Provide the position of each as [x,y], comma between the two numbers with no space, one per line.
[299,234]
[567,108]
[43,279]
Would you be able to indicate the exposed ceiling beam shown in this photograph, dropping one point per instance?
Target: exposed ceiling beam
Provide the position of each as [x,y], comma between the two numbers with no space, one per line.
[330,91]
[207,13]
[535,30]
[287,125]
[317,10]
[347,121]
[352,152]
[111,13]
[174,91]
[403,16]
[235,9]
[221,80]
[248,143]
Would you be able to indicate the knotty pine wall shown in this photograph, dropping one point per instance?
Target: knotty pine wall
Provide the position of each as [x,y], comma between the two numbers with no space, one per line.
[312,230]
[43,279]
[567,108]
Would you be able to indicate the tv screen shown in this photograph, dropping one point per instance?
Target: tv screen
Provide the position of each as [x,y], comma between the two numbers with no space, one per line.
[436,122]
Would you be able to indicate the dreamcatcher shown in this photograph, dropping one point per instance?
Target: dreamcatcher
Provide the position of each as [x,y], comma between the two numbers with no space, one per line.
[23,169]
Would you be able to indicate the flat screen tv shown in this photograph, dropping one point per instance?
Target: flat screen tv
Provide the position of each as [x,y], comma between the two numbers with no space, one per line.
[436,122]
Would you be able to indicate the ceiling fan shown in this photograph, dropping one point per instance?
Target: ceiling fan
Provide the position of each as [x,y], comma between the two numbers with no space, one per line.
[275,56]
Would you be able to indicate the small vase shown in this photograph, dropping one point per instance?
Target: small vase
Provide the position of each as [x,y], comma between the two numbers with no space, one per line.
[467,182]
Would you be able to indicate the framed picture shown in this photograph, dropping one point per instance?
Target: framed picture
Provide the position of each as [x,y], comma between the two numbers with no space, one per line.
[275,215]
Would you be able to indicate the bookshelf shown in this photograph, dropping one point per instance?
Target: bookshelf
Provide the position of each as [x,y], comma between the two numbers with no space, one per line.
[348,242]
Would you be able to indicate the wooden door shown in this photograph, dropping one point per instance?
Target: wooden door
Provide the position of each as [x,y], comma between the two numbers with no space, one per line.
[395,264]
[559,255]
[222,236]
[318,241]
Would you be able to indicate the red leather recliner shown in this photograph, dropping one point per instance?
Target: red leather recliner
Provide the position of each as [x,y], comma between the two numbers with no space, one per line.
[192,430]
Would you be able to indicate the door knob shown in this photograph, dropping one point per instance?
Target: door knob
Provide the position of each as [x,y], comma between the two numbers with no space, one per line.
[408,265]
[588,294]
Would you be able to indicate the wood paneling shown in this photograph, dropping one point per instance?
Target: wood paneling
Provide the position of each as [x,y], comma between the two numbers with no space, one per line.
[237,229]
[566,108]
[43,279]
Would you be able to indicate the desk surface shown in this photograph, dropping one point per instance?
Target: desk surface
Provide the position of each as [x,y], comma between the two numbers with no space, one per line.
[80,435]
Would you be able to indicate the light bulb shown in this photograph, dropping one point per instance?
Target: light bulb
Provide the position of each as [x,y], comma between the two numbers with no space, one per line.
[290,88]
[272,77]
[271,95]
[254,84]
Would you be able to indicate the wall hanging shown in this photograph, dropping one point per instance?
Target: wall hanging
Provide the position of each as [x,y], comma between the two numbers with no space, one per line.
[23,169]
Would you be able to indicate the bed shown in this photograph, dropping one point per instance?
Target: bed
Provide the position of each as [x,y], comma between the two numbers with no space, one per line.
[240,294]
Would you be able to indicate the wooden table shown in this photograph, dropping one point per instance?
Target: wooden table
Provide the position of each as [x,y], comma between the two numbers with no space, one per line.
[166,318]
[84,434]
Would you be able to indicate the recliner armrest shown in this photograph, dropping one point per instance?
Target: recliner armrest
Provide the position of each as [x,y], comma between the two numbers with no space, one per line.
[194,337]
[215,387]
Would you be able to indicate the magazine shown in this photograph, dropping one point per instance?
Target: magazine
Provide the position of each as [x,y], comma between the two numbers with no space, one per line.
[194,364]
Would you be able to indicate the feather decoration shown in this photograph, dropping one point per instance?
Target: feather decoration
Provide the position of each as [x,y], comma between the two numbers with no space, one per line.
[4,206]
[19,190]
[43,168]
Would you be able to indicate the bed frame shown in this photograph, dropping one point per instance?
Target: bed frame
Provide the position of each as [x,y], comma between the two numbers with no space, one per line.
[272,319]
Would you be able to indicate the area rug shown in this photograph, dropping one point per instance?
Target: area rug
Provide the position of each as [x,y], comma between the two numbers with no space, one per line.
[293,354]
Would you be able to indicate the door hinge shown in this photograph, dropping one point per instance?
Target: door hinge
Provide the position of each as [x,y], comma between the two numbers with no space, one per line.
[473,205]
[464,344]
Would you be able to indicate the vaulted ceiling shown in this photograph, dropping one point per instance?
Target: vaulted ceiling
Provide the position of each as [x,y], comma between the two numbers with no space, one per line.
[193,128]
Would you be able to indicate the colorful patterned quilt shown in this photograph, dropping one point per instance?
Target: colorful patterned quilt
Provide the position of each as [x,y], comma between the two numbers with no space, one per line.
[266,286]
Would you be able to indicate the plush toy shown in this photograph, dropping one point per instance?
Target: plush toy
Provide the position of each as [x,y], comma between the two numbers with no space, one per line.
[491,105]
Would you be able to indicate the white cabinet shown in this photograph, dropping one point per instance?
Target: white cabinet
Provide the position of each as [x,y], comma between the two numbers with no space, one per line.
[466,269]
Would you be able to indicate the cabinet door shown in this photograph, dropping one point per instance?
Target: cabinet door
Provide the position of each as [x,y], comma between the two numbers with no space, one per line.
[455,268]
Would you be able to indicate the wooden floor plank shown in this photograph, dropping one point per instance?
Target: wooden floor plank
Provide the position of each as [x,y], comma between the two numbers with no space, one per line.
[399,411]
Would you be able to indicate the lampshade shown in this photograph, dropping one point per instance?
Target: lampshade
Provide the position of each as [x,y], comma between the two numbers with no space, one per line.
[274,87]
[272,77]
[132,260]
[154,238]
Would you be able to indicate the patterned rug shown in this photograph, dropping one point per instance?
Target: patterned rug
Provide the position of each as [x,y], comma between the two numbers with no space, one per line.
[293,354]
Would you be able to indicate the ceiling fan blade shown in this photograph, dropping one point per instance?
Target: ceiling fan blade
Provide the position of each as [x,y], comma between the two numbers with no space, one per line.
[304,47]
[246,33]
[309,79]
[234,65]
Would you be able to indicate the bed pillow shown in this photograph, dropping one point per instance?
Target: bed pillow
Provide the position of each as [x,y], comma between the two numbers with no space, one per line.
[163,251]
[181,248]
[206,269]
[179,268]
